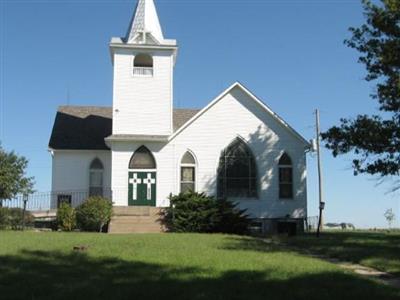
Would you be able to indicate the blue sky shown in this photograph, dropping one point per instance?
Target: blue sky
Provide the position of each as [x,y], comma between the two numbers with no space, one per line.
[289,53]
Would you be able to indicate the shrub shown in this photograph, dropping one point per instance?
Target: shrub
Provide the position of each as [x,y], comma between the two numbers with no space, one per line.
[231,218]
[13,218]
[4,218]
[196,212]
[191,212]
[66,217]
[94,214]
[16,219]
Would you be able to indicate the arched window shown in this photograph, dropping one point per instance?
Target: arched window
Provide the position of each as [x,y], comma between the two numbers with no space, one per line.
[142,159]
[285,177]
[96,178]
[188,173]
[143,65]
[237,172]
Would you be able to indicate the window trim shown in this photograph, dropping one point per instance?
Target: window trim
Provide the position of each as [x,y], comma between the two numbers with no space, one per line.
[285,166]
[140,71]
[67,197]
[183,165]
[96,170]
[142,169]
[251,194]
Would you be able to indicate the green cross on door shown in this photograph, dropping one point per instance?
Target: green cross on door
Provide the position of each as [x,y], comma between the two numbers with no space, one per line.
[142,189]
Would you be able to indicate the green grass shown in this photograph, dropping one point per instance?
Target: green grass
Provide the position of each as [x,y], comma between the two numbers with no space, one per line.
[169,266]
[380,250]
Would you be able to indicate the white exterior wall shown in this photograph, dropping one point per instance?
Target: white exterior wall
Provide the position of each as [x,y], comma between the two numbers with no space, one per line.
[142,105]
[70,172]
[234,115]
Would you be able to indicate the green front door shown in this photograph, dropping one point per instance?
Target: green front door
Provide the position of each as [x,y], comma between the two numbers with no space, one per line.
[142,189]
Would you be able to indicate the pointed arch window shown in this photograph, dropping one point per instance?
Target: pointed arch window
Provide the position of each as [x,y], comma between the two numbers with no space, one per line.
[237,172]
[96,171]
[285,177]
[188,173]
[143,65]
[142,159]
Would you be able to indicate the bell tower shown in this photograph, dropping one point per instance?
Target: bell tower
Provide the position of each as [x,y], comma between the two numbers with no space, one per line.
[143,65]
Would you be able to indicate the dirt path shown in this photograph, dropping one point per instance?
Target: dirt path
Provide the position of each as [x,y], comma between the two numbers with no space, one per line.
[364,271]
[367,272]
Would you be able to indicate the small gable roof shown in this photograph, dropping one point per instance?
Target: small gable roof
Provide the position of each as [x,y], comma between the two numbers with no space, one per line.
[86,127]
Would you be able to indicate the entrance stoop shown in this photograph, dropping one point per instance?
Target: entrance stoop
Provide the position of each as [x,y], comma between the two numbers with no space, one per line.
[135,219]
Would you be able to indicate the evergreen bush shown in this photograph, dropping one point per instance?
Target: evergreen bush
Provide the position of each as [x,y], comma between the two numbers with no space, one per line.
[231,219]
[197,212]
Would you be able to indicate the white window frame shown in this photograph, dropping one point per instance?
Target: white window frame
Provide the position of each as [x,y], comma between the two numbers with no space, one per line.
[181,165]
[101,171]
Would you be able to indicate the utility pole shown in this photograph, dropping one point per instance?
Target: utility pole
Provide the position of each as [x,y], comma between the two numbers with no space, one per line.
[321,202]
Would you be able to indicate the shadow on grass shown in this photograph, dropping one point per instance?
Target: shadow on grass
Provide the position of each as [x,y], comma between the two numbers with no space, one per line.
[243,243]
[379,250]
[56,275]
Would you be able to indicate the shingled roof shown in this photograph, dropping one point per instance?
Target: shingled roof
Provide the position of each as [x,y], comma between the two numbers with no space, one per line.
[85,127]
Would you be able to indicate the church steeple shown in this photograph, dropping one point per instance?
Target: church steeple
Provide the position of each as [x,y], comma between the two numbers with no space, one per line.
[143,64]
[145,26]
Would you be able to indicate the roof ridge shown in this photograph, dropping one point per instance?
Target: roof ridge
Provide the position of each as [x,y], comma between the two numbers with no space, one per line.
[103,106]
[80,106]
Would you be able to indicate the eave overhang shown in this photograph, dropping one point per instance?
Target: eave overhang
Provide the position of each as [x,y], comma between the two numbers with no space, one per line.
[136,138]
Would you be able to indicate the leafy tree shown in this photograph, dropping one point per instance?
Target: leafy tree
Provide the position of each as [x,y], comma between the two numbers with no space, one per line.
[375,139]
[13,179]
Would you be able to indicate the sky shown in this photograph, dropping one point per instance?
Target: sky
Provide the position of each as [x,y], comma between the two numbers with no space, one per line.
[289,53]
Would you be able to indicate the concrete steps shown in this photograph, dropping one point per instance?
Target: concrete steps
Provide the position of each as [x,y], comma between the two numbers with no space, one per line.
[135,219]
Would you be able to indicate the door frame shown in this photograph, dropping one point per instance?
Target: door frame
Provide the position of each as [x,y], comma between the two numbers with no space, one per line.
[144,171]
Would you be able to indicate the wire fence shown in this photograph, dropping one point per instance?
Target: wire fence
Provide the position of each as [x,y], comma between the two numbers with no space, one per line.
[311,223]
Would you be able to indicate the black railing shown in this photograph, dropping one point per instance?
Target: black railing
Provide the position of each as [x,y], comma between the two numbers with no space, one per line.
[43,201]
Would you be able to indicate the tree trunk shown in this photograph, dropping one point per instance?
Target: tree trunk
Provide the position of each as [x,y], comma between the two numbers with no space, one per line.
[101,227]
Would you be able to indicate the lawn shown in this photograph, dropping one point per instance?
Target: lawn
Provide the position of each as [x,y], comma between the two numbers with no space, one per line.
[169,266]
[380,250]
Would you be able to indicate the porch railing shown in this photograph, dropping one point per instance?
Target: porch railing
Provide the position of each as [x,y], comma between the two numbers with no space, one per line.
[143,71]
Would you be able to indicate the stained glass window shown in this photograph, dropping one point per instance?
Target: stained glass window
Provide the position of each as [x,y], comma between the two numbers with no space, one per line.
[285,177]
[142,159]
[237,172]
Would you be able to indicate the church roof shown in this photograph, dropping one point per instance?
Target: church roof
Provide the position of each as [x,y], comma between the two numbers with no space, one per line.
[86,127]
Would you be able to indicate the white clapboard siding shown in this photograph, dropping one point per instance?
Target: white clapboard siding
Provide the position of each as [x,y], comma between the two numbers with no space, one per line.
[142,104]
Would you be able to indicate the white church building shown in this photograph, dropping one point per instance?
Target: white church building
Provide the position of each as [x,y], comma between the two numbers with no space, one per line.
[141,150]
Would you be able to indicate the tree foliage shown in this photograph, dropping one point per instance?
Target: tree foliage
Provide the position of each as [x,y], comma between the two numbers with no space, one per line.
[13,179]
[375,140]
[94,214]
[13,218]
[197,212]
[66,217]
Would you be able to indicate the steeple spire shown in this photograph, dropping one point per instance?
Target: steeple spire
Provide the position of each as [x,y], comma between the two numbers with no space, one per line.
[145,26]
